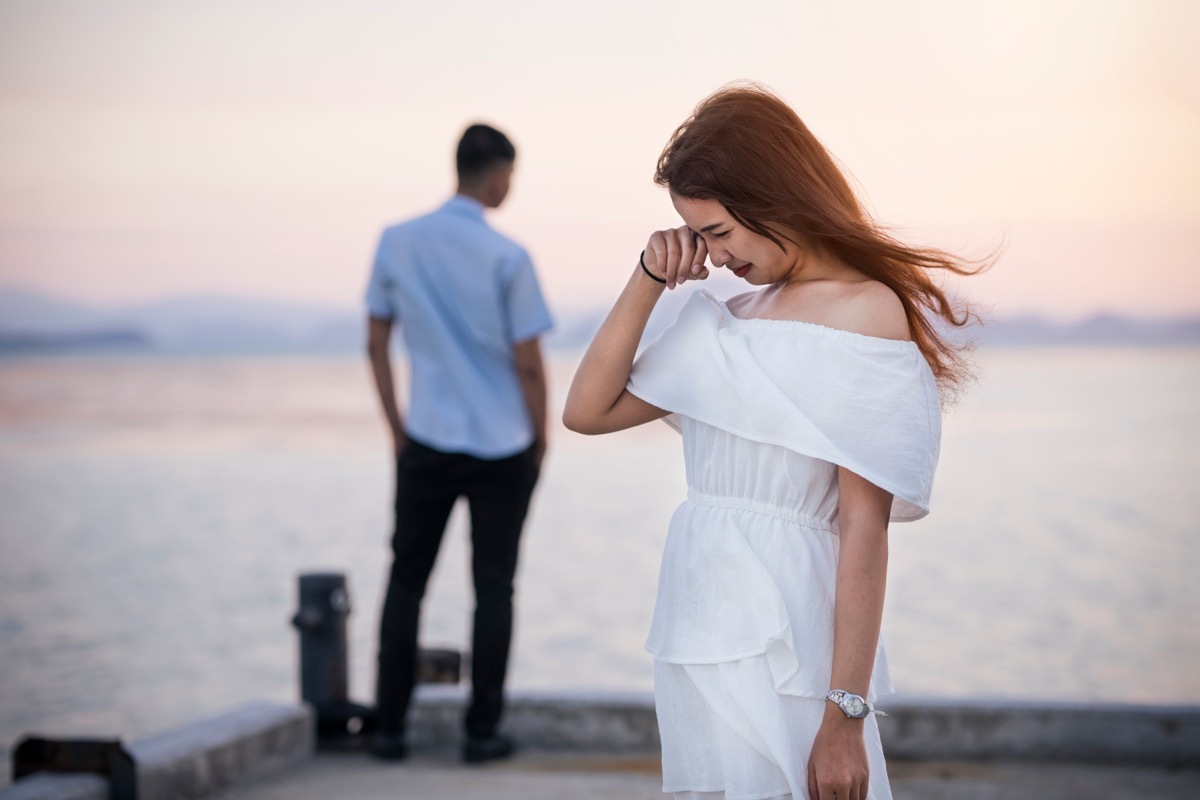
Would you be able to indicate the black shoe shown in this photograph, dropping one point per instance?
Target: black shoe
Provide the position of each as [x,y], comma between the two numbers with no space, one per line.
[491,748]
[389,746]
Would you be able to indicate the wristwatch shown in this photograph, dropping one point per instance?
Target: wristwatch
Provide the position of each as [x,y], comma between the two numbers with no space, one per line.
[851,704]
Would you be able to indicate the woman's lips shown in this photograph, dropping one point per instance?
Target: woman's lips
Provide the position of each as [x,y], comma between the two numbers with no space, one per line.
[741,271]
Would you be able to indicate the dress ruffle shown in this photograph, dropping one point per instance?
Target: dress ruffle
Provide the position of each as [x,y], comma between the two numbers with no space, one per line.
[864,403]
[722,735]
[722,598]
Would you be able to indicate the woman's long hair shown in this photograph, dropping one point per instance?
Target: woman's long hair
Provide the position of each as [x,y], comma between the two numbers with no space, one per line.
[745,148]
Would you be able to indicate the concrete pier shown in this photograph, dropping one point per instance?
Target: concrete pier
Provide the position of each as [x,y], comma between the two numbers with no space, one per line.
[606,746]
[196,760]
[917,729]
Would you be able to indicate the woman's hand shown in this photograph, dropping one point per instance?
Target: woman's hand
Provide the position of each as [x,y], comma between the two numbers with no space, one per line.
[676,255]
[837,766]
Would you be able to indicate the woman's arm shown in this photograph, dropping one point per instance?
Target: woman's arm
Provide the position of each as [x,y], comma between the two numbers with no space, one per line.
[598,401]
[838,763]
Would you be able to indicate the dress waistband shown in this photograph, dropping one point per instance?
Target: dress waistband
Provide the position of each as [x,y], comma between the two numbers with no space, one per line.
[765,509]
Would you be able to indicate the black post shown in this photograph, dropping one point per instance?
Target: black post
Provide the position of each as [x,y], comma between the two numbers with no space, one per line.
[321,620]
[324,675]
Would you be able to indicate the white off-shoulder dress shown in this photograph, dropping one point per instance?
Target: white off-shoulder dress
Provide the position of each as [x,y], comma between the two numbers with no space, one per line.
[742,633]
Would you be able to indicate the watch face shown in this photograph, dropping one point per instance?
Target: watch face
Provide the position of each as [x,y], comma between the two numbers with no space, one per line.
[854,706]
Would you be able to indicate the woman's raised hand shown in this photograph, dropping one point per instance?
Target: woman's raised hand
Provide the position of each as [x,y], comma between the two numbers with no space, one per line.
[676,255]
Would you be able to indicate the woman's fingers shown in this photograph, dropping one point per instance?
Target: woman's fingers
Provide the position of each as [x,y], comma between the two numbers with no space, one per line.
[671,267]
[655,257]
[699,257]
[695,253]
[839,789]
[677,255]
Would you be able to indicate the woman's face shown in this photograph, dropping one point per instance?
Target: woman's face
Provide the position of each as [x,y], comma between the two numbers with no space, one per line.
[753,258]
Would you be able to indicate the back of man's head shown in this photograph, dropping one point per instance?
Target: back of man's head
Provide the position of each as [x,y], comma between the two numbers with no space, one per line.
[481,149]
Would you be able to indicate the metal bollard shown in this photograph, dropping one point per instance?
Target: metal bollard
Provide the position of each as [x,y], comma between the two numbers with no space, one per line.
[321,620]
[324,674]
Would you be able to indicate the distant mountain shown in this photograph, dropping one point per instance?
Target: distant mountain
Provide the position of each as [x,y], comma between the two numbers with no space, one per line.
[103,341]
[1098,330]
[205,324]
[32,322]
[24,310]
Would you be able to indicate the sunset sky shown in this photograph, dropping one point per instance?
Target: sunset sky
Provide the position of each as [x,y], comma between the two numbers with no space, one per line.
[152,148]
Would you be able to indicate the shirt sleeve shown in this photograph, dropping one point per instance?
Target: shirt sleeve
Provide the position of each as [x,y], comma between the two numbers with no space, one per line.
[379,287]
[528,315]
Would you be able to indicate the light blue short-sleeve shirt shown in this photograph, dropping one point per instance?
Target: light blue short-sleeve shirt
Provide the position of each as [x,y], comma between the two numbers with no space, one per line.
[463,295]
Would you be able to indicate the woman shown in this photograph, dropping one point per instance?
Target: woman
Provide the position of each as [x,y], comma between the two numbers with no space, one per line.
[810,417]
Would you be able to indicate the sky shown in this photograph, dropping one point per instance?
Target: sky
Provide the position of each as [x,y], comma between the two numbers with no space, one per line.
[157,147]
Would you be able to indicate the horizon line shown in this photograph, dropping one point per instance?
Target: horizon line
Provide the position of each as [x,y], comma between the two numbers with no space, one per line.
[574,308]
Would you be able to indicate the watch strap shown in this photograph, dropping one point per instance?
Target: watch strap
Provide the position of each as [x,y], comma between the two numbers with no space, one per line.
[848,700]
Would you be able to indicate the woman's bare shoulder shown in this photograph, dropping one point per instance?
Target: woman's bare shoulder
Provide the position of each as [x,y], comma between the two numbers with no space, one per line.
[738,302]
[872,309]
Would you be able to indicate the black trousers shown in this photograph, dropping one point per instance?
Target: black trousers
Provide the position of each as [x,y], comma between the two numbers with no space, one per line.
[428,482]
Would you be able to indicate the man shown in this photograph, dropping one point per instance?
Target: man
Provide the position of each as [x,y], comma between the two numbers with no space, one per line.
[468,304]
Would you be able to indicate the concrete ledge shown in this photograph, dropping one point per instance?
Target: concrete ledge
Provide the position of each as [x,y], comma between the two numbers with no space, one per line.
[594,721]
[216,753]
[196,759]
[47,786]
[919,729]
[936,729]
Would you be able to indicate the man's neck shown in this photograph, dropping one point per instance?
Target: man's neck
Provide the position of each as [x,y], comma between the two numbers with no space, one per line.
[476,194]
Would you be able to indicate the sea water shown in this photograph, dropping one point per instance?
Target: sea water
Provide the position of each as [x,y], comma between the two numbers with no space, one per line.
[155,513]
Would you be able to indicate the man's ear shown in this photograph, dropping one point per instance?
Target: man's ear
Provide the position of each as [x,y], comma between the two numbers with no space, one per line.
[498,183]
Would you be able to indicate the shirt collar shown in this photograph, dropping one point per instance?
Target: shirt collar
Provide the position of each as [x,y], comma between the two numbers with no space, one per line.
[466,206]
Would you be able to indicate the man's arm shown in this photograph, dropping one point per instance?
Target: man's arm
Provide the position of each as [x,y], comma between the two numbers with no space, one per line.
[531,372]
[379,335]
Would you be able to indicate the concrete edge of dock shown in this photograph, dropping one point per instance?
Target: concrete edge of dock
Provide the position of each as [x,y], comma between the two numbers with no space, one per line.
[216,753]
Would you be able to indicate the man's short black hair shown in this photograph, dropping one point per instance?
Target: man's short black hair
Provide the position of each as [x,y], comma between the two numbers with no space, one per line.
[481,148]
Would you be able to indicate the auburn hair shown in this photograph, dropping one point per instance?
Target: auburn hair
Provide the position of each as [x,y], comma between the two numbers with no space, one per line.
[748,150]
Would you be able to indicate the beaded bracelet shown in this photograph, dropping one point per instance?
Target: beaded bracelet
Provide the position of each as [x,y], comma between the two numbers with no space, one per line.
[645,269]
